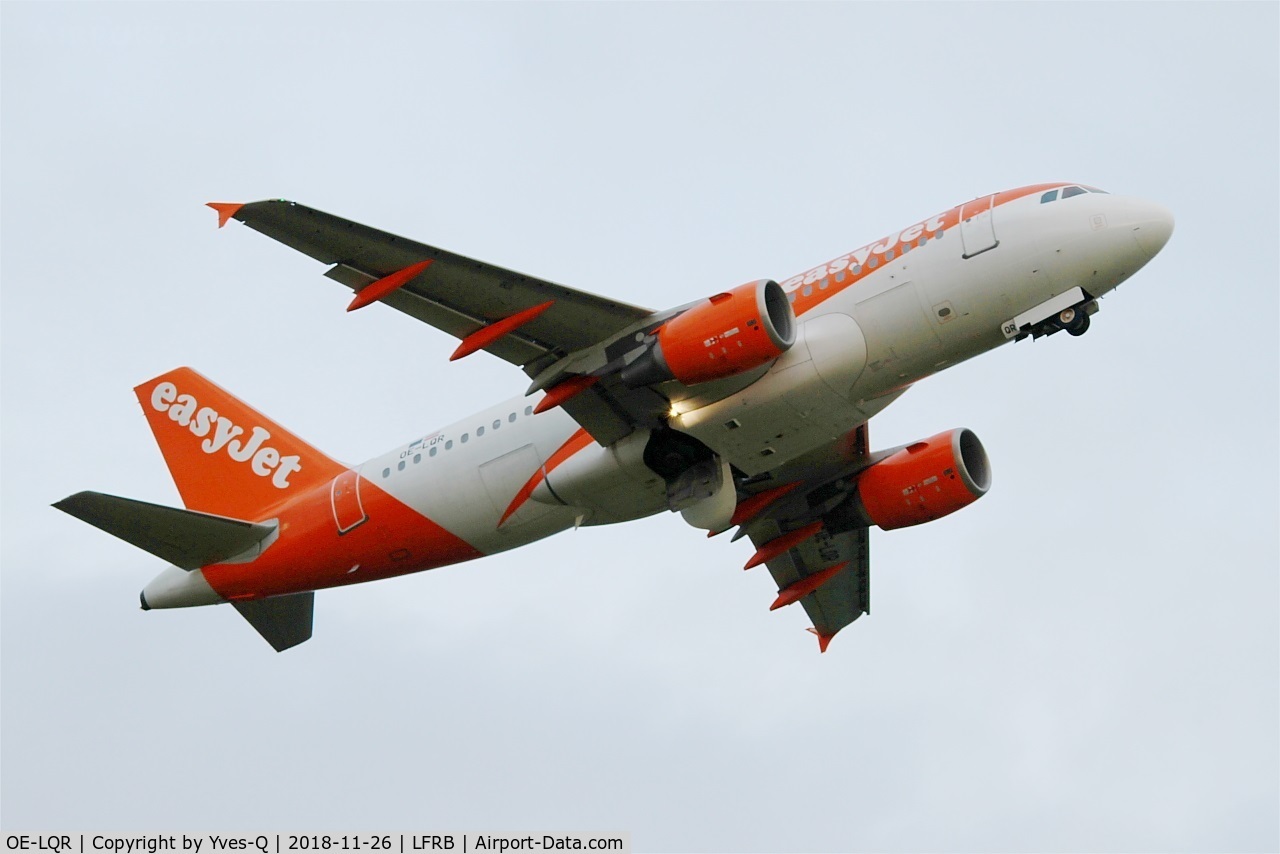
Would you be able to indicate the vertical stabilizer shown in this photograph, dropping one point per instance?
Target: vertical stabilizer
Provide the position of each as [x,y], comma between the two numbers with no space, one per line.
[225,457]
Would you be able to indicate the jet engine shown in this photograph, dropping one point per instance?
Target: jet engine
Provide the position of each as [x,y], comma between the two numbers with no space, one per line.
[720,337]
[925,480]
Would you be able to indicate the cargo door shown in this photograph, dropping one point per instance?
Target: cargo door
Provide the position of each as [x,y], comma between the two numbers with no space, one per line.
[977,227]
[344,496]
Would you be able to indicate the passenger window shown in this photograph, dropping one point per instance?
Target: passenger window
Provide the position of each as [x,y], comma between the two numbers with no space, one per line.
[1072,191]
[512,418]
[479,431]
[497,422]
[1051,196]
[528,410]
[433,450]
[448,445]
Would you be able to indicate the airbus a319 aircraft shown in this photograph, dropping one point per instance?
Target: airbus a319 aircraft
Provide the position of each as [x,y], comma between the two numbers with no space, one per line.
[745,410]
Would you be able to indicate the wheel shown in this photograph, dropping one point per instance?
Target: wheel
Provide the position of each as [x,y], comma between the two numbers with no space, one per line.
[1074,320]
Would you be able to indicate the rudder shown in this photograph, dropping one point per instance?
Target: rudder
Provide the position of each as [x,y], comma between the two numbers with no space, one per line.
[225,457]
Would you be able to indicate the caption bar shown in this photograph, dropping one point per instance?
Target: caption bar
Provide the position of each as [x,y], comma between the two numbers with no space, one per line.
[288,843]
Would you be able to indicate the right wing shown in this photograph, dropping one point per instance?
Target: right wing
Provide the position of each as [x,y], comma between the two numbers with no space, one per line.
[456,294]
[571,333]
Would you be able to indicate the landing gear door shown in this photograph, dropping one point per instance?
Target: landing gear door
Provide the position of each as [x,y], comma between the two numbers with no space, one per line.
[344,496]
[977,228]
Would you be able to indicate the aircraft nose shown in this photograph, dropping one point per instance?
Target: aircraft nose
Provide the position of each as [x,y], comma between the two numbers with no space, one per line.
[1152,226]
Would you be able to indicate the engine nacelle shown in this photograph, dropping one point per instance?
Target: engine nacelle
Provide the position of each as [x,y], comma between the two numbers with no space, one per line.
[925,481]
[724,336]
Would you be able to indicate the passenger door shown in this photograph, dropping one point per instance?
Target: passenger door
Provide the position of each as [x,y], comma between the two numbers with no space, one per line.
[977,226]
[344,496]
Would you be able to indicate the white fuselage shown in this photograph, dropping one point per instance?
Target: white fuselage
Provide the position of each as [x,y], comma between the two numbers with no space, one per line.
[870,324]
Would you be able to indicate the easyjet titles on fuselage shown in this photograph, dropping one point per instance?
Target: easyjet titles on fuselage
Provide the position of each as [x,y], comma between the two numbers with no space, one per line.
[858,257]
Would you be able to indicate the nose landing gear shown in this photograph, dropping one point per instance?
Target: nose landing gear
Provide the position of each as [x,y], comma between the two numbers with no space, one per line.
[1074,320]
[1069,310]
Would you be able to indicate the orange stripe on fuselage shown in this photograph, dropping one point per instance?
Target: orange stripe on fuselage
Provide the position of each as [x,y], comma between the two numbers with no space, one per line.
[838,272]
[311,555]
[576,442]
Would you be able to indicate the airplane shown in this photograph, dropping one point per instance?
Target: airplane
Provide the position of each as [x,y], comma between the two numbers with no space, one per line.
[746,410]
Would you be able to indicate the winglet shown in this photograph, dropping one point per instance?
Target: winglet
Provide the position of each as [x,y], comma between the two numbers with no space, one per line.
[823,640]
[226,210]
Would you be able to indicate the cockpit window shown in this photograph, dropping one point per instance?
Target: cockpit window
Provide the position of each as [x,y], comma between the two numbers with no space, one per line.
[1068,192]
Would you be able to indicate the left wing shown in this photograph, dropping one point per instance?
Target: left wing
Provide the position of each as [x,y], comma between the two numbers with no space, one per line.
[815,549]
[838,564]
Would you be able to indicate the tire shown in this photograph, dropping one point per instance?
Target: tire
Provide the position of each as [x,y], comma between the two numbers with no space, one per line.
[1074,320]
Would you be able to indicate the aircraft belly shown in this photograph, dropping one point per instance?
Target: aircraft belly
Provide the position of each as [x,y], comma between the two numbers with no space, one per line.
[463,487]
[802,402]
[607,485]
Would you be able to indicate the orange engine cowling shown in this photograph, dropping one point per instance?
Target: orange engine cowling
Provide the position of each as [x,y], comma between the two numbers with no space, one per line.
[727,334]
[925,481]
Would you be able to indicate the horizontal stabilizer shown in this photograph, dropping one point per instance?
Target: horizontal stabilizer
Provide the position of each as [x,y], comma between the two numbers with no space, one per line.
[184,538]
[284,621]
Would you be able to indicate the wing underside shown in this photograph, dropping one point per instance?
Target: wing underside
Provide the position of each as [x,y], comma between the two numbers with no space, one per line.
[846,595]
[453,293]
[828,569]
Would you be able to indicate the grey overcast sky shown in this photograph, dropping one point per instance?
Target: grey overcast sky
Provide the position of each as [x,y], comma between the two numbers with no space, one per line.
[1086,660]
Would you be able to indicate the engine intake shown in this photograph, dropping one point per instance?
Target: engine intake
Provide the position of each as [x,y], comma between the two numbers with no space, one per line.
[724,336]
[925,481]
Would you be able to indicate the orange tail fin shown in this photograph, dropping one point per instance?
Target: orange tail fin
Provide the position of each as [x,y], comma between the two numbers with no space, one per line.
[225,457]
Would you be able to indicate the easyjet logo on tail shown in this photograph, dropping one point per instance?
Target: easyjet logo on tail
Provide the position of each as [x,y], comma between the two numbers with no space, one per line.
[222,433]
